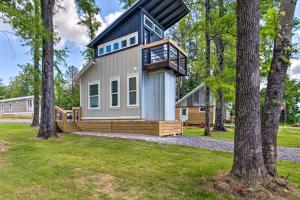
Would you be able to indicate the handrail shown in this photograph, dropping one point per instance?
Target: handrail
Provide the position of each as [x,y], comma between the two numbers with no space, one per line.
[60,109]
[165,41]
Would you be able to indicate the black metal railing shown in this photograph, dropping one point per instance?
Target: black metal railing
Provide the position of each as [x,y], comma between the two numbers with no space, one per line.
[165,54]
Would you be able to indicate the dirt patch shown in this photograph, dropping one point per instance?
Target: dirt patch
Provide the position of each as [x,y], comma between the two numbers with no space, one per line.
[276,188]
[101,184]
[3,146]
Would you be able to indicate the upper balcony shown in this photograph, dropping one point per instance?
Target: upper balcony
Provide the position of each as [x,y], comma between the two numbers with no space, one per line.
[165,54]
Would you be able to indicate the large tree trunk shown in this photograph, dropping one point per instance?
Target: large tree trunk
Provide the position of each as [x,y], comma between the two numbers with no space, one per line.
[47,126]
[219,117]
[207,68]
[248,163]
[36,42]
[274,93]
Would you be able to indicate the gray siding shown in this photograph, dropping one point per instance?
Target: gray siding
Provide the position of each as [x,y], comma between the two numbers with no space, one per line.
[159,96]
[17,106]
[197,99]
[120,64]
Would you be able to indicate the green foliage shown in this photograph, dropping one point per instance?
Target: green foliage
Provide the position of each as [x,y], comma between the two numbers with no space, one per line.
[88,11]
[4,92]
[127,3]
[292,101]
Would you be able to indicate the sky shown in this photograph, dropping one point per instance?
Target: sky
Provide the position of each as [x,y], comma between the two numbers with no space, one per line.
[74,37]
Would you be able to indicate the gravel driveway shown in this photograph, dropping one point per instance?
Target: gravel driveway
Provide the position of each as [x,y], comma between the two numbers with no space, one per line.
[284,153]
[16,121]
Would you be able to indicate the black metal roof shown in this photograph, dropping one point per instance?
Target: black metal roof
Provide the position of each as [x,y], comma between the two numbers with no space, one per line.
[165,12]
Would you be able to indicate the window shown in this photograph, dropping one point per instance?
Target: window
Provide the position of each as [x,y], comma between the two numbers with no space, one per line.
[94,95]
[101,51]
[2,107]
[108,48]
[132,41]
[124,43]
[17,104]
[10,106]
[116,46]
[183,111]
[202,109]
[132,90]
[148,23]
[158,31]
[115,92]
[30,105]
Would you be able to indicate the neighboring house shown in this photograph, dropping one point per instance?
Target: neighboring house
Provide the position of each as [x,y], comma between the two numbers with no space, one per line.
[191,108]
[17,107]
[133,74]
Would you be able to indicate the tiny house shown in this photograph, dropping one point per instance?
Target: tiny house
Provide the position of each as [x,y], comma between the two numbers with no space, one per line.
[190,109]
[130,85]
[21,107]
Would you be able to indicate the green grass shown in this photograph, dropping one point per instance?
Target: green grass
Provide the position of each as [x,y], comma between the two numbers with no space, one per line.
[287,136]
[74,167]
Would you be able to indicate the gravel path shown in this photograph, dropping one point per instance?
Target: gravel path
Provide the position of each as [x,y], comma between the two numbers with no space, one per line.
[16,121]
[284,153]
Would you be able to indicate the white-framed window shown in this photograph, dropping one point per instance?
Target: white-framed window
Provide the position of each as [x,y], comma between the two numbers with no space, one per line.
[94,95]
[30,105]
[10,106]
[115,92]
[148,23]
[202,109]
[118,44]
[152,26]
[2,107]
[132,90]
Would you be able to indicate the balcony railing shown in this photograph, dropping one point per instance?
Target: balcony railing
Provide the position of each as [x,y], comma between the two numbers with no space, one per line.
[165,54]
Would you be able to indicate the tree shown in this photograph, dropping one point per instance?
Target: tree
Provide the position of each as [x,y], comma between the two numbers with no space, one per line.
[47,125]
[248,163]
[25,18]
[220,108]
[275,86]
[208,67]
[88,11]
[3,90]
[127,3]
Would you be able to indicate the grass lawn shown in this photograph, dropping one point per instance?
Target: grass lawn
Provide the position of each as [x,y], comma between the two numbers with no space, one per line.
[287,136]
[74,167]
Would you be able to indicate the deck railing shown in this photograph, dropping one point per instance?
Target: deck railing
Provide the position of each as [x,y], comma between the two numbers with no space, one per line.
[67,119]
[166,54]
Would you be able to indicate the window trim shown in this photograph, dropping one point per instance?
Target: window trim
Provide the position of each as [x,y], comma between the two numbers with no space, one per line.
[117,78]
[89,101]
[137,90]
[10,106]
[154,27]
[114,43]
[200,109]
[2,107]
[145,17]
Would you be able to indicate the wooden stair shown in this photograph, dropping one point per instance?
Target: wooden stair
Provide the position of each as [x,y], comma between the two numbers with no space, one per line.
[64,124]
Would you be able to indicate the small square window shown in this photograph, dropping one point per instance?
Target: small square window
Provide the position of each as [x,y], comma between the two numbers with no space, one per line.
[132,40]
[183,111]
[202,109]
[124,43]
[108,49]
[116,46]
[101,51]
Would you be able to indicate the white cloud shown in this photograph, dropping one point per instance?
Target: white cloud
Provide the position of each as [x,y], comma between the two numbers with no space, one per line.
[294,71]
[66,25]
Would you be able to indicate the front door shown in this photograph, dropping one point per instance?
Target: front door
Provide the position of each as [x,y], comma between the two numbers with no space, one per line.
[184,114]
[30,105]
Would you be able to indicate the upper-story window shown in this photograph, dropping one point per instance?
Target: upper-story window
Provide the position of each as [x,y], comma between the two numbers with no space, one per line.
[101,51]
[116,46]
[132,40]
[153,27]
[108,48]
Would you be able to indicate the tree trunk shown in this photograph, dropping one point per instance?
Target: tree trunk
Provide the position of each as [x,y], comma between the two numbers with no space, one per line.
[47,126]
[248,163]
[36,55]
[219,117]
[207,68]
[274,93]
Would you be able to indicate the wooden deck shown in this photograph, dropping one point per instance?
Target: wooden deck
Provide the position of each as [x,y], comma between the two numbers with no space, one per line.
[158,128]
